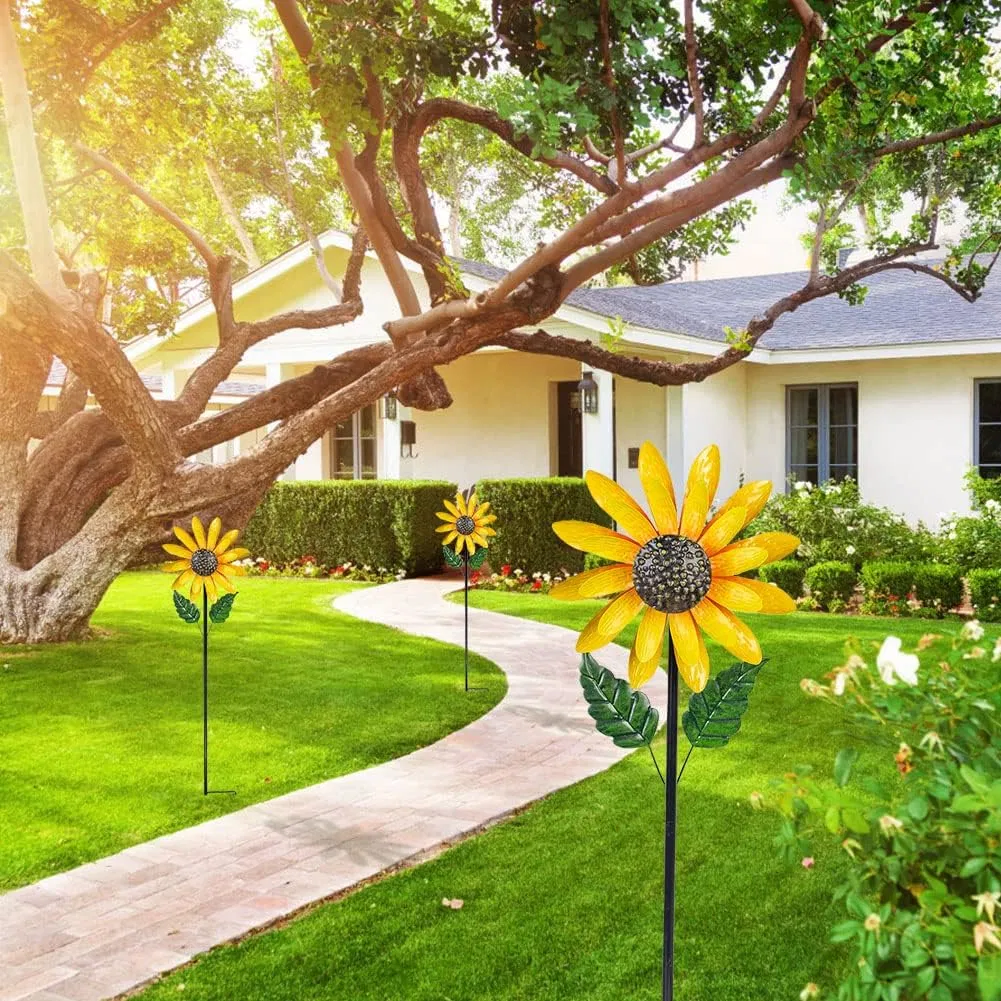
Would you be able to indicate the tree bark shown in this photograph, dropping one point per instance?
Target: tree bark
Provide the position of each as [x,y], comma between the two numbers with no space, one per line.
[250,254]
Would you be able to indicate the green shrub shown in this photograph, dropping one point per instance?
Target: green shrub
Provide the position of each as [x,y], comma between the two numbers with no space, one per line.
[938,586]
[379,523]
[975,540]
[787,574]
[592,562]
[526,510]
[831,583]
[985,594]
[981,490]
[887,586]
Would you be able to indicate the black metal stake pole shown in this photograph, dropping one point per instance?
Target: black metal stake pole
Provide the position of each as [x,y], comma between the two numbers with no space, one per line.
[465,593]
[670,820]
[205,692]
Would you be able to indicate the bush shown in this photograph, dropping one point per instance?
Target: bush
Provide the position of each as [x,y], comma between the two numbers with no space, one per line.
[938,586]
[917,829]
[592,562]
[981,490]
[379,523]
[833,523]
[887,587]
[786,574]
[973,541]
[985,593]
[831,584]
[526,510]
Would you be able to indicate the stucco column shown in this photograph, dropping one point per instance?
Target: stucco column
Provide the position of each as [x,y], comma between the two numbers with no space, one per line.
[598,430]
[390,462]
[274,373]
[675,438]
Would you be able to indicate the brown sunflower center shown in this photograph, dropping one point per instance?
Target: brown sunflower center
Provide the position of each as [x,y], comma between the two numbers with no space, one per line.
[672,573]
[204,562]
[465,525]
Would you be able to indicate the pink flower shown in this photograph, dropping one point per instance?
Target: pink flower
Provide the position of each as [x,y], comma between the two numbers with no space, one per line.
[807,862]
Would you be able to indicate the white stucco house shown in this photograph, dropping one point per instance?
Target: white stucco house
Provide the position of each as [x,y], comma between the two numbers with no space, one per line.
[903,392]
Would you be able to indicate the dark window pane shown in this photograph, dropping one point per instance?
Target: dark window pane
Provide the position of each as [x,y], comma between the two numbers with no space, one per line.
[368,458]
[342,459]
[344,429]
[842,472]
[367,421]
[990,472]
[990,444]
[802,407]
[844,405]
[803,446]
[842,444]
[807,473]
[990,402]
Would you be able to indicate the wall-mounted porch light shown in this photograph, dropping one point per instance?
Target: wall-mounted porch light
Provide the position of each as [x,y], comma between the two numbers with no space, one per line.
[588,389]
[389,406]
[408,438]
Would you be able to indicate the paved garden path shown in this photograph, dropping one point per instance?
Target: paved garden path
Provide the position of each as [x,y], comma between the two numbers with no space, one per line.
[109,926]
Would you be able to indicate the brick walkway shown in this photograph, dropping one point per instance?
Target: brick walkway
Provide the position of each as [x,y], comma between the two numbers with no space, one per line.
[112,925]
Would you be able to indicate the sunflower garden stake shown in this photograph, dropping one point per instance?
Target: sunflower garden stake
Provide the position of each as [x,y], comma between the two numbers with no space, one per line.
[205,563]
[468,526]
[682,569]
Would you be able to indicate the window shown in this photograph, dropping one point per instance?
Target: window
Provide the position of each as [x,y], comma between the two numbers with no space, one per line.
[352,447]
[987,427]
[822,432]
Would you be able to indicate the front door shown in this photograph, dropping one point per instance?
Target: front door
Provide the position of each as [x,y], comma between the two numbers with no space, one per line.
[570,460]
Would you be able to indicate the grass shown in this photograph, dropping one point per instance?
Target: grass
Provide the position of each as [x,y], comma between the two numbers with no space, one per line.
[563,902]
[100,742]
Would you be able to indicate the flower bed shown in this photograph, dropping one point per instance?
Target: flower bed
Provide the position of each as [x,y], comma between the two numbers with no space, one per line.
[515,580]
[310,567]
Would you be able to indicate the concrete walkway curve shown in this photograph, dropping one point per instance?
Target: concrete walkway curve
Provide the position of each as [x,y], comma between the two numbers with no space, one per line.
[112,925]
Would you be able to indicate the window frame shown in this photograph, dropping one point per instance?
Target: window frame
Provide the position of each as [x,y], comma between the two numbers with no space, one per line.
[356,449]
[823,427]
[977,383]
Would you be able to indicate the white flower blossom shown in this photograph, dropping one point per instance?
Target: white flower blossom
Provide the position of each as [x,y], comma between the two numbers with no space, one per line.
[892,663]
[840,680]
[996,655]
[972,631]
[850,550]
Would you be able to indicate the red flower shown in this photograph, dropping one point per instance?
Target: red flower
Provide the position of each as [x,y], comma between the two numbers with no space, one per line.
[309,559]
[264,564]
[536,585]
[474,577]
[506,570]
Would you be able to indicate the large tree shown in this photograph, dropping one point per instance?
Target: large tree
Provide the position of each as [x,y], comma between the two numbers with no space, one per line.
[144,161]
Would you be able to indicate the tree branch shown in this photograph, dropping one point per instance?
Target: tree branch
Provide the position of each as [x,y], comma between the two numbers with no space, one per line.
[904,145]
[692,55]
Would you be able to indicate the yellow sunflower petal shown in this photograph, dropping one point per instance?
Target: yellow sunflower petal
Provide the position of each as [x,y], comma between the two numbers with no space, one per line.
[684,637]
[487,530]
[226,541]
[737,559]
[485,520]
[483,508]
[641,671]
[177,550]
[450,538]
[722,530]
[616,503]
[705,470]
[231,570]
[215,530]
[776,544]
[472,504]
[694,510]
[727,630]
[740,594]
[221,580]
[696,674]
[596,539]
[197,586]
[452,509]
[650,634]
[450,527]
[198,530]
[233,555]
[658,488]
[460,503]
[176,565]
[752,497]
[479,539]
[183,580]
[594,583]
[185,539]
[211,589]
[445,516]
[609,622]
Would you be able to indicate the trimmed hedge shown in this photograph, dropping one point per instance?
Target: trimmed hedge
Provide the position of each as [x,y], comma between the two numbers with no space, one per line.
[786,574]
[832,583]
[938,586]
[382,523]
[526,510]
[985,594]
[888,581]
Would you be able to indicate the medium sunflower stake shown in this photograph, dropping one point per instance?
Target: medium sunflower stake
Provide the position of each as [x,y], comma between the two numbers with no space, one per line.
[468,526]
[205,564]
[684,573]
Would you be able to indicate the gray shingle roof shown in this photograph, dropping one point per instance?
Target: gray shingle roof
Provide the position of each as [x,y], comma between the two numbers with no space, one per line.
[901,308]
[154,383]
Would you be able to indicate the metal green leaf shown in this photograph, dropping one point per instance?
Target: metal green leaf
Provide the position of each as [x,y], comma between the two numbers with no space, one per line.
[713,715]
[186,609]
[618,712]
[452,558]
[476,560]
[219,612]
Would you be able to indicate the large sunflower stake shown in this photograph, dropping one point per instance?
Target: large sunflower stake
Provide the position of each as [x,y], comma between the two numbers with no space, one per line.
[467,524]
[683,570]
[206,563]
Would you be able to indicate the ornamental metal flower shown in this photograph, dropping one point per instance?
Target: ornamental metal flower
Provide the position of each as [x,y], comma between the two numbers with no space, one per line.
[680,569]
[207,562]
[467,523]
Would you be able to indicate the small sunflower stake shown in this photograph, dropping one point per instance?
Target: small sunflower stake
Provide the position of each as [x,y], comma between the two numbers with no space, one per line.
[682,569]
[205,564]
[467,524]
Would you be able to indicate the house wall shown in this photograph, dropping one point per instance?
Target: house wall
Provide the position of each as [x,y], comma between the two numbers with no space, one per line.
[915,426]
[640,415]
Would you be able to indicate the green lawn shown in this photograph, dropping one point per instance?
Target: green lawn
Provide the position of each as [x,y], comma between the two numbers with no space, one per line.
[563,903]
[100,742]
